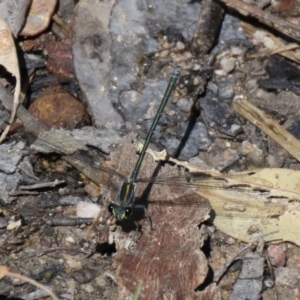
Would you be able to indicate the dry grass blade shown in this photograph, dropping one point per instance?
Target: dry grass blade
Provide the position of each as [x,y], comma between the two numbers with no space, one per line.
[5,271]
[269,126]
[277,47]
[287,28]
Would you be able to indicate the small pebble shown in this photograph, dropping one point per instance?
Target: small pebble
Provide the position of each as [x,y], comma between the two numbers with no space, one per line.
[14,224]
[180,45]
[164,53]
[184,104]
[231,241]
[227,64]
[269,283]
[277,255]
[70,239]
[87,210]
[17,281]
[84,275]
[3,223]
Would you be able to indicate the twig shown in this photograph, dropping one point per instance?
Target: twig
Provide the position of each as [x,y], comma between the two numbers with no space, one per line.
[281,25]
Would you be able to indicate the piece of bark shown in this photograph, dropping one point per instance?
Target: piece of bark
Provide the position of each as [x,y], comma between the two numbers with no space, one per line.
[167,259]
[208,26]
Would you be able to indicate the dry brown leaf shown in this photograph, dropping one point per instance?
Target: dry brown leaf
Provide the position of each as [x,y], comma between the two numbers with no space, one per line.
[246,215]
[9,60]
[39,17]
[249,204]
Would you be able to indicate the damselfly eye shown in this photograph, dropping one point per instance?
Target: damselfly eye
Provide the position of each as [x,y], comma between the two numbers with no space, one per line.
[110,208]
[128,211]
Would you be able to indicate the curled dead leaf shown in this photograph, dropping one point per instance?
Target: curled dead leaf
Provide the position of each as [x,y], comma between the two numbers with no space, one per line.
[39,17]
[9,60]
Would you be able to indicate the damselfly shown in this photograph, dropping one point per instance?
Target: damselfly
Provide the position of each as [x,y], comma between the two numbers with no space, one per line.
[126,195]
[125,201]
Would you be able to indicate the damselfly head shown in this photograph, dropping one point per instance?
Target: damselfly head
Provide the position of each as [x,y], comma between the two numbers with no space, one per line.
[119,212]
